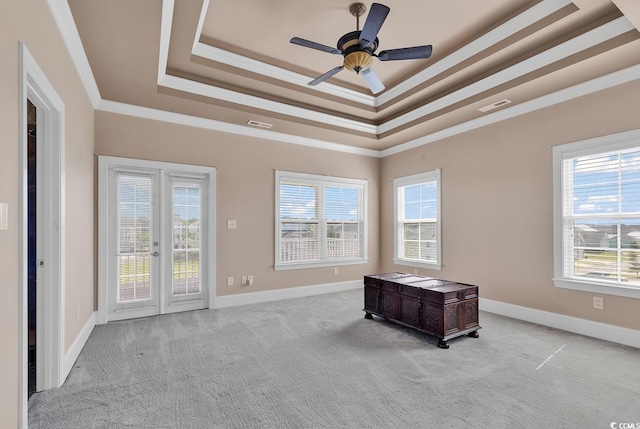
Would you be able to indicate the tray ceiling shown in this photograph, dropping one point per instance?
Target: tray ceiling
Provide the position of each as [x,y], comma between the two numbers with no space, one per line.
[231,62]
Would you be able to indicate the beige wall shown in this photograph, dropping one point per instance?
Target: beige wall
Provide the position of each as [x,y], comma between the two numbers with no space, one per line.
[497,203]
[30,21]
[497,189]
[245,192]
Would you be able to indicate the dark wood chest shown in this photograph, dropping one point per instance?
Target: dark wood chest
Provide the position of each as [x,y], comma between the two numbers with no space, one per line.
[441,308]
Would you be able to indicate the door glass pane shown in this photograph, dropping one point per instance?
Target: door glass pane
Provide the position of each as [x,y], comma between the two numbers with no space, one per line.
[134,235]
[187,238]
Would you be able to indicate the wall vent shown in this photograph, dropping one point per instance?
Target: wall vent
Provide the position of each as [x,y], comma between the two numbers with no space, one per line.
[259,124]
[494,105]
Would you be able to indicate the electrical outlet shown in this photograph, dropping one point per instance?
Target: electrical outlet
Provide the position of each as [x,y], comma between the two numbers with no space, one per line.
[229,281]
[244,280]
[250,280]
[598,303]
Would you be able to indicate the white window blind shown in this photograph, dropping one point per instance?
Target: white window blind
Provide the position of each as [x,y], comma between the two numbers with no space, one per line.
[597,215]
[186,230]
[320,220]
[134,237]
[601,216]
[417,220]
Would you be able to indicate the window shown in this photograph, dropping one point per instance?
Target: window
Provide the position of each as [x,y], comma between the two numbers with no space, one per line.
[321,221]
[597,215]
[417,220]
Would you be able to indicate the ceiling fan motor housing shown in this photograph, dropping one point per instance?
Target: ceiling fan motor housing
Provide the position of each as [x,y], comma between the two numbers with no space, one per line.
[356,56]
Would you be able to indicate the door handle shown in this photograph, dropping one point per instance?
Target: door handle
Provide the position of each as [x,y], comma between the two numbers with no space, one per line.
[155,254]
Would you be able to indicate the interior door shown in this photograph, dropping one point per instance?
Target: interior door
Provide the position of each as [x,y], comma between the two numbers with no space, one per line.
[158,245]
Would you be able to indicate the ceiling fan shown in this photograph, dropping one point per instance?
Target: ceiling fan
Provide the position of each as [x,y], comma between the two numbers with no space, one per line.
[358,47]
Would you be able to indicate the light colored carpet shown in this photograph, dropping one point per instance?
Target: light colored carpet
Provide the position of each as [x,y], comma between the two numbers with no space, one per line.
[317,363]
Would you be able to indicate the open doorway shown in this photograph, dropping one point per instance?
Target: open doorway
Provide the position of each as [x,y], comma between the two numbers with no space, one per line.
[41,219]
[32,229]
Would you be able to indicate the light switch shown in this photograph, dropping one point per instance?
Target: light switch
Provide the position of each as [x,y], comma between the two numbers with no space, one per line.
[4,216]
[231,224]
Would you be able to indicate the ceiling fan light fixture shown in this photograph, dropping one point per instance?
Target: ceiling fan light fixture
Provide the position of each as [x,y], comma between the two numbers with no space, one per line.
[358,60]
[356,57]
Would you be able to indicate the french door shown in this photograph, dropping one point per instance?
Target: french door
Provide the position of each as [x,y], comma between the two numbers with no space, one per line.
[157,238]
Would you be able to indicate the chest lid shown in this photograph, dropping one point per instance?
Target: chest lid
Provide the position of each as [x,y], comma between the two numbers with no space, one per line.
[451,292]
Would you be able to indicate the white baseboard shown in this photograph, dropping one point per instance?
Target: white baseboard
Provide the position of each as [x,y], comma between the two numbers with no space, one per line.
[278,294]
[75,349]
[603,331]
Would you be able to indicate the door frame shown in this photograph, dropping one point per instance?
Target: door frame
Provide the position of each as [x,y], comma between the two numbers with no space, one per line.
[34,85]
[105,163]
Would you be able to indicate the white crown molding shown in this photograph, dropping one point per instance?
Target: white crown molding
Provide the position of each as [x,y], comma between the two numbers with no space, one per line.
[603,331]
[585,88]
[201,18]
[225,57]
[584,41]
[218,93]
[539,11]
[212,124]
[227,95]
[67,27]
[229,58]
[607,81]
[498,34]
[520,22]
[166,22]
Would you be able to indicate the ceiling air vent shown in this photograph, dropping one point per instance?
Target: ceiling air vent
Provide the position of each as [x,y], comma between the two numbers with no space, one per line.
[494,105]
[259,124]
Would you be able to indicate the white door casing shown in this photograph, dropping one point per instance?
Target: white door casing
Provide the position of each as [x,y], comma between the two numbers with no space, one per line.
[156,238]
[34,85]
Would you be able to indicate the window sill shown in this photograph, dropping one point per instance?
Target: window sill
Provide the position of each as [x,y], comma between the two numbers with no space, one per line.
[320,264]
[595,287]
[417,264]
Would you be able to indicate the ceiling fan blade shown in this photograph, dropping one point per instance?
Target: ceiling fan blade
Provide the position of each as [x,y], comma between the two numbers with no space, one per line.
[325,76]
[414,53]
[372,80]
[314,45]
[372,25]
